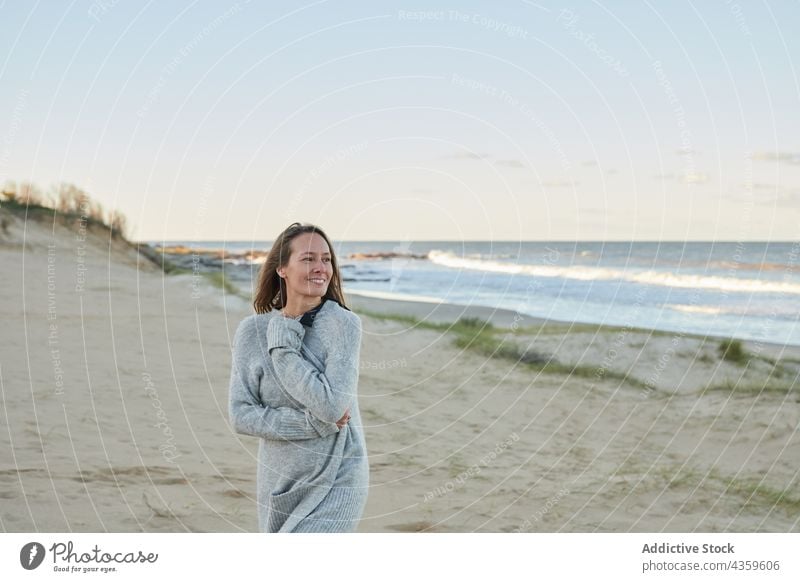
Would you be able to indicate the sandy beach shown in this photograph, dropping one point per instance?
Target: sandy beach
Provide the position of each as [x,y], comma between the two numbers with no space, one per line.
[114,383]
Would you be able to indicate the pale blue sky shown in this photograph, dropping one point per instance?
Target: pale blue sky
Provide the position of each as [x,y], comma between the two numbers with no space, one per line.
[412,121]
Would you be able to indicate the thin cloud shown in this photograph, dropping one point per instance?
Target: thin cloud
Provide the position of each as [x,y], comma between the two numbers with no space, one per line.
[479,156]
[559,183]
[687,178]
[467,156]
[789,157]
[510,163]
[776,197]
[695,178]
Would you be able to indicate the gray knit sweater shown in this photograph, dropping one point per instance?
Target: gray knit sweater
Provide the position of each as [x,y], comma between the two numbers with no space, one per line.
[289,386]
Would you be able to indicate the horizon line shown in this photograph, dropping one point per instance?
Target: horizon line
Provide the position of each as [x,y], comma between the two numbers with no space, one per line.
[483,240]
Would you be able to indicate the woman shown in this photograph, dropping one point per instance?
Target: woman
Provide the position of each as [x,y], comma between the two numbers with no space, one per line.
[294,384]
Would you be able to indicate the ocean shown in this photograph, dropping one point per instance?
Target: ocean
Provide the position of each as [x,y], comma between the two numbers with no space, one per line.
[745,290]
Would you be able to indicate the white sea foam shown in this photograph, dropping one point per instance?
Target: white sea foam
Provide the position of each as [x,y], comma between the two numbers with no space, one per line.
[666,279]
[705,309]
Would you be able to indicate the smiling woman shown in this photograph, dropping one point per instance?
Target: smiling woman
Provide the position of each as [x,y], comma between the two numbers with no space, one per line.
[294,384]
[301,268]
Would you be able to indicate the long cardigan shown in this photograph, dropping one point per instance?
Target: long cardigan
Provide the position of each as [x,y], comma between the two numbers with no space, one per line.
[289,385]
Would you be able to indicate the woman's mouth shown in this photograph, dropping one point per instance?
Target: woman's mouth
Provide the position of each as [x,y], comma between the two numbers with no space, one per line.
[317,281]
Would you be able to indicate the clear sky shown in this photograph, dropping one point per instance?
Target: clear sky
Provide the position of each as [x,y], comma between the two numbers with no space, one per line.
[412,120]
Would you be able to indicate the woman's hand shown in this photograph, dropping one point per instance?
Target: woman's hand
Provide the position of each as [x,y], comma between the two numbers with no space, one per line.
[344,420]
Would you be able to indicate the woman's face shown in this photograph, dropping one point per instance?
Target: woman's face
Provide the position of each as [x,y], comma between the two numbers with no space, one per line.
[309,269]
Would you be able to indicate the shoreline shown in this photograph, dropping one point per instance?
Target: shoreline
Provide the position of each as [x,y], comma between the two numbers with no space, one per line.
[442,312]
[504,318]
[212,263]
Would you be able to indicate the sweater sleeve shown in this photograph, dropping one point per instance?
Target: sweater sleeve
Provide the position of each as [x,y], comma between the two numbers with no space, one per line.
[249,416]
[326,394]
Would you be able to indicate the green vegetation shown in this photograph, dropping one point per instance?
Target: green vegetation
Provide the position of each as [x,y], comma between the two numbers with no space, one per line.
[749,389]
[780,367]
[160,259]
[706,358]
[217,278]
[488,340]
[73,208]
[732,350]
[456,466]
[67,203]
[757,494]
[474,323]
[760,493]
[484,338]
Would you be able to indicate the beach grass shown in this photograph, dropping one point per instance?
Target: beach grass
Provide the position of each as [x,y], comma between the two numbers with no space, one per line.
[218,279]
[706,359]
[732,351]
[457,466]
[69,206]
[765,495]
[782,367]
[484,338]
[489,340]
[757,494]
[751,389]
[160,260]
[215,278]
[32,209]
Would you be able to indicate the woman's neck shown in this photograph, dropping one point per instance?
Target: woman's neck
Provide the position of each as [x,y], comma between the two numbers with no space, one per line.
[299,305]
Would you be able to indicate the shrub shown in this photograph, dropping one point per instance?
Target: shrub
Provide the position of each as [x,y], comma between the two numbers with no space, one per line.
[733,351]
